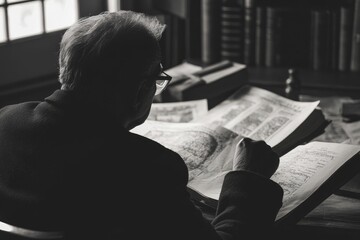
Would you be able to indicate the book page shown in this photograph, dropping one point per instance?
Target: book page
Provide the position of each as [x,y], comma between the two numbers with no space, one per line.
[185,111]
[259,114]
[208,153]
[304,169]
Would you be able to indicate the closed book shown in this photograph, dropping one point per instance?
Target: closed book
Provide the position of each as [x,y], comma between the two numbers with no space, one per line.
[214,86]
[355,50]
[345,32]
[210,31]
[232,33]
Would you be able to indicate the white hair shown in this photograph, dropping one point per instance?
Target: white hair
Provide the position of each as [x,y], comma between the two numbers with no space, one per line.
[108,41]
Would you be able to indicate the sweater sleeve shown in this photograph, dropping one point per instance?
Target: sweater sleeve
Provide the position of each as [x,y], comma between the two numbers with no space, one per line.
[248,205]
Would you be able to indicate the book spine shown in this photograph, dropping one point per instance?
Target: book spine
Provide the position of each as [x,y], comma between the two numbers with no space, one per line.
[232,23]
[193,32]
[287,37]
[345,38]
[275,18]
[335,30]
[260,36]
[355,49]
[249,32]
[270,37]
[210,37]
[320,38]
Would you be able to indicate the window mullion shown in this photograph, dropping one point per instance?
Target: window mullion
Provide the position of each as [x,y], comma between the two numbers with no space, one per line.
[6,21]
[43,16]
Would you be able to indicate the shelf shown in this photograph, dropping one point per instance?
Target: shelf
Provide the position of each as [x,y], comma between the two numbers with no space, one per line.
[321,82]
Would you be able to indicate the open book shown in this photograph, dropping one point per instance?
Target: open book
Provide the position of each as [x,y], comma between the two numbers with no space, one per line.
[262,115]
[207,146]
[308,174]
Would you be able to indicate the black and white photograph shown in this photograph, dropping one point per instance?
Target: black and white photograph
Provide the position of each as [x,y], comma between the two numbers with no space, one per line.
[179,119]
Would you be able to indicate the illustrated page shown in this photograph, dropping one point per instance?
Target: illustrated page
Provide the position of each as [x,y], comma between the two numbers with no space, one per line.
[304,169]
[259,114]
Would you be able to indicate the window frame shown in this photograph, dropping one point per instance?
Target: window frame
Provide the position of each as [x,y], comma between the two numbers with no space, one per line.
[36,57]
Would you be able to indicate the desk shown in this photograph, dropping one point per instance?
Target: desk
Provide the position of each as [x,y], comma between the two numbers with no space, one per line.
[338,217]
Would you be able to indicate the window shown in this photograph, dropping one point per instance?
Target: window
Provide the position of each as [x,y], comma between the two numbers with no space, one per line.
[30,33]
[19,19]
[113,5]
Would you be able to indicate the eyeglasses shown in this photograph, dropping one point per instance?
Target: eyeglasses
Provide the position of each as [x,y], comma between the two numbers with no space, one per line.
[162,81]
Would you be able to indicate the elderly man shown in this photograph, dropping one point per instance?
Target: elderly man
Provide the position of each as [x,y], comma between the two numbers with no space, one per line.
[70,168]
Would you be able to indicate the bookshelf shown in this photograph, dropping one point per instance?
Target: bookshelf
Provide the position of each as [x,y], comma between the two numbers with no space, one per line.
[319,38]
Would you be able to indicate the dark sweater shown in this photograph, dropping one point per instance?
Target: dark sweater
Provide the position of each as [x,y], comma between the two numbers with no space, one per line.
[66,166]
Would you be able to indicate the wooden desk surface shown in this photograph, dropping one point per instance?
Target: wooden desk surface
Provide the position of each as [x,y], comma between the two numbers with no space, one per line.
[338,217]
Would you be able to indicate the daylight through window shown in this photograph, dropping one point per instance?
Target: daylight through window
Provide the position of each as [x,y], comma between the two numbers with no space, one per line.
[24,18]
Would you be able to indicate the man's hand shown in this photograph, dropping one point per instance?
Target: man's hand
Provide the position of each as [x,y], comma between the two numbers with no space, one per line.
[255,156]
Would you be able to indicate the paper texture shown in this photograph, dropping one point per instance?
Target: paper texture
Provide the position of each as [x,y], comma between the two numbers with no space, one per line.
[207,152]
[259,114]
[304,169]
[208,149]
[178,112]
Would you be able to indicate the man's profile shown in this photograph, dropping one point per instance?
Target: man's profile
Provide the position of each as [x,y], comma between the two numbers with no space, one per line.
[70,164]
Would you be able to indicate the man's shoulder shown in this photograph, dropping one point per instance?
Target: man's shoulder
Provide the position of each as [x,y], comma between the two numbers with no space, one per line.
[149,147]
[158,155]
[16,112]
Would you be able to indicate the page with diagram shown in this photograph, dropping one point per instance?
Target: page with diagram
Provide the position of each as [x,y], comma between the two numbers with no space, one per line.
[259,114]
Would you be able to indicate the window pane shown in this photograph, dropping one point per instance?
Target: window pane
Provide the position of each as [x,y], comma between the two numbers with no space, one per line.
[60,14]
[2,26]
[1,1]
[113,5]
[25,19]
